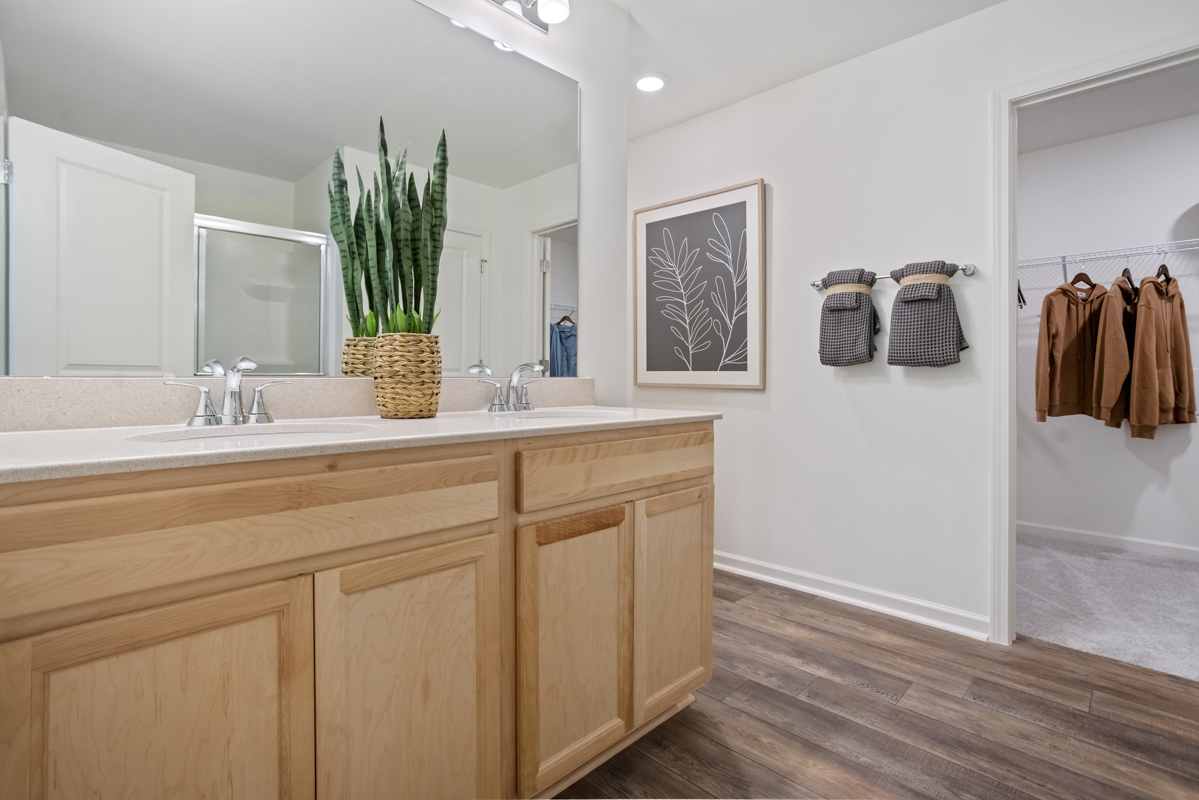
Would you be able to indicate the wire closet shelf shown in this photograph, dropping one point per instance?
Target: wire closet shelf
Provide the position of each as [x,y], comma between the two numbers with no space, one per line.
[1103,266]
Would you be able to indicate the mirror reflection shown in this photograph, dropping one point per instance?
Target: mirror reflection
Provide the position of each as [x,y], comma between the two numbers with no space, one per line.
[170,201]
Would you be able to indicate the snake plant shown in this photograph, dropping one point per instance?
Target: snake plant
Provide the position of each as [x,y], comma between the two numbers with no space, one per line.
[391,245]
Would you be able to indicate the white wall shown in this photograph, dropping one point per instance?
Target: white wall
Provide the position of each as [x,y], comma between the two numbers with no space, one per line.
[1078,478]
[592,48]
[564,273]
[874,483]
[231,193]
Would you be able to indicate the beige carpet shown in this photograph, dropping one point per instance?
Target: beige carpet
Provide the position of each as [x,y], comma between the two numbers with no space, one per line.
[1134,607]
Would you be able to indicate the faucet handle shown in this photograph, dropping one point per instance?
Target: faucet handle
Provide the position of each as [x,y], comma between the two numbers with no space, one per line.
[205,414]
[524,403]
[497,401]
[480,369]
[258,413]
[212,367]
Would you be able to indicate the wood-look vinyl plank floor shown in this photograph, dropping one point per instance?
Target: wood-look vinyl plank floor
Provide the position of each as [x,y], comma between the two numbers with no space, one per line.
[811,698]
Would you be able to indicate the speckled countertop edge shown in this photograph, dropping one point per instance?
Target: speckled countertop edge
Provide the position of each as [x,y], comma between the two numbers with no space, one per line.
[44,455]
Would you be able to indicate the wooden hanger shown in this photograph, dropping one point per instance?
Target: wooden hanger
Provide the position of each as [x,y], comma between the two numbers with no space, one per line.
[1131,283]
[1164,270]
[1085,278]
[566,320]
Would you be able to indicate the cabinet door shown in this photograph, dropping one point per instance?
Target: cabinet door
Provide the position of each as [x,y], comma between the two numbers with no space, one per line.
[407,668]
[207,698]
[574,641]
[673,608]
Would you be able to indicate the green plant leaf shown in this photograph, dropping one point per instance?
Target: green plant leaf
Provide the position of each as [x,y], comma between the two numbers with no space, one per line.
[414,242]
[342,231]
[433,225]
[372,328]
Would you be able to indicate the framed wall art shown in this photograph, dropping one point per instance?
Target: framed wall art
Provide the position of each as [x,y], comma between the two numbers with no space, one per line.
[700,287]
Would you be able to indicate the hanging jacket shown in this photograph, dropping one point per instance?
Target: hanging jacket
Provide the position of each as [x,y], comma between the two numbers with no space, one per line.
[564,350]
[1117,311]
[925,329]
[848,319]
[1163,380]
[1066,352]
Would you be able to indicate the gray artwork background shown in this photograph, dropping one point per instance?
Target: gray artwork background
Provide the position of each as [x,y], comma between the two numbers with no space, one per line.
[699,231]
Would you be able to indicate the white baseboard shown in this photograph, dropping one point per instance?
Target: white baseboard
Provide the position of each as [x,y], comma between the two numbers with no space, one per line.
[1150,546]
[967,623]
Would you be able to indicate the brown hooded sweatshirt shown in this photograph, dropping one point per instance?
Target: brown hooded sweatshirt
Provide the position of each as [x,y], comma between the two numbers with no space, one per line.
[1163,380]
[1066,351]
[1113,353]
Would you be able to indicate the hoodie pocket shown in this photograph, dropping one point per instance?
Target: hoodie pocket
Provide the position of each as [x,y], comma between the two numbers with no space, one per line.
[1165,390]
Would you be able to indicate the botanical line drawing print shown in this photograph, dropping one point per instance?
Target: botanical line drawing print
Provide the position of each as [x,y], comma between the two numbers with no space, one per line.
[677,274]
[732,308]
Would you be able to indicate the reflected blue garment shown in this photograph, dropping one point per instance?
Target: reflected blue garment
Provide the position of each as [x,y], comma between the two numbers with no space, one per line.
[564,351]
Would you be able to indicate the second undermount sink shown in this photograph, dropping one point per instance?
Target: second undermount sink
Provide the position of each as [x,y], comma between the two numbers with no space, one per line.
[566,413]
[279,432]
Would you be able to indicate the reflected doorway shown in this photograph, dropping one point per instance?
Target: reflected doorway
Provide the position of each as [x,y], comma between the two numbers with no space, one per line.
[560,301]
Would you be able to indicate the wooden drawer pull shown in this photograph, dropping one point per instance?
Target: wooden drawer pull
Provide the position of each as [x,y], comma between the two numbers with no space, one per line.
[557,530]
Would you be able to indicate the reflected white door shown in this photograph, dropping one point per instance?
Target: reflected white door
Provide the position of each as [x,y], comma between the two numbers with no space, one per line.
[460,299]
[101,274]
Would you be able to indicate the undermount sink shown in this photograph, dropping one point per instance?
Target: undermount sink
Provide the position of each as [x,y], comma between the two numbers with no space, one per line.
[278,432]
[565,413]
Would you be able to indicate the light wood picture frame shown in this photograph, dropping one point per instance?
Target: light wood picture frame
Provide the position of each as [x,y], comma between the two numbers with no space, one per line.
[699,277]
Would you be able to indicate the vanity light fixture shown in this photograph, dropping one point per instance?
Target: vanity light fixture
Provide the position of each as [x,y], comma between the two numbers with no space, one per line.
[514,7]
[651,82]
[502,46]
[553,11]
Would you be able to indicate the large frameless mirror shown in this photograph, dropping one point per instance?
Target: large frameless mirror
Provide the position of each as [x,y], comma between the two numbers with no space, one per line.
[171,164]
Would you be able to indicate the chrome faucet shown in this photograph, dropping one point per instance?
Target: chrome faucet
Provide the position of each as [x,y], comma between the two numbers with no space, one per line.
[518,400]
[231,406]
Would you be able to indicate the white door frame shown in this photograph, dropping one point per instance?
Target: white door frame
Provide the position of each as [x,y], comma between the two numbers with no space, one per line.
[1162,55]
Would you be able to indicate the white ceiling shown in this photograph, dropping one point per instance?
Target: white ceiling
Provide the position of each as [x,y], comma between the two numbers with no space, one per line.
[272,86]
[717,52]
[1157,97]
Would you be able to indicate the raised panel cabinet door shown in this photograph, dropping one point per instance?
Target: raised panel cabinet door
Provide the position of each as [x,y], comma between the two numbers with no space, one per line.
[574,641]
[673,601]
[407,675]
[208,698]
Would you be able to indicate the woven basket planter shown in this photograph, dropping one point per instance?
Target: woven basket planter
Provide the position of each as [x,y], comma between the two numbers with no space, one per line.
[407,375]
[358,357]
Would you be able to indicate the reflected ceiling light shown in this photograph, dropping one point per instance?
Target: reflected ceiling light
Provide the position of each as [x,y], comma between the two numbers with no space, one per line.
[651,81]
[456,23]
[553,11]
[502,46]
[514,7]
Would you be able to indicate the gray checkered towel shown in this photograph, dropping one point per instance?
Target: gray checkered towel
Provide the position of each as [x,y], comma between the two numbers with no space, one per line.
[925,330]
[848,321]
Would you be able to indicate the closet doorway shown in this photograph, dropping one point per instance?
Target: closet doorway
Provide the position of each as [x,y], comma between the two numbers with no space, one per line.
[559,301]
[1104,555]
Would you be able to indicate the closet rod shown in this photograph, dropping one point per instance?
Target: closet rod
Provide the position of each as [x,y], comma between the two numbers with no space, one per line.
[968,270]
[1104,255]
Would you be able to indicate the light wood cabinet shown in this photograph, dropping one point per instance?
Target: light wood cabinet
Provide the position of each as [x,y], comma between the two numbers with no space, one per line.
[614,621]
[673,606]
[207,698]
[481,619]
[407,653]
[574,639]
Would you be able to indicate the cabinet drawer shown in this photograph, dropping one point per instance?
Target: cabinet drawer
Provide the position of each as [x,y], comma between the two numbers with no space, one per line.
[554,477]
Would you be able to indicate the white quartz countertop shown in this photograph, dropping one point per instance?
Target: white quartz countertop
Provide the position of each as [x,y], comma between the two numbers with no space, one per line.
[40,455]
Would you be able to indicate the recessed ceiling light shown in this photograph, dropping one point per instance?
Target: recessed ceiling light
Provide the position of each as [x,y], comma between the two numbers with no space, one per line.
[503,47]
[553,11]
[457,23]
[651,82]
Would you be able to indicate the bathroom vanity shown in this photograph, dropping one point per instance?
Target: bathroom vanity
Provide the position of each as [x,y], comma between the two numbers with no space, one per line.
[469,606]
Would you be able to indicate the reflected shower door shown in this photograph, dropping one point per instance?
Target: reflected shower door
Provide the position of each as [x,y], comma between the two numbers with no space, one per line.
[260,297]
